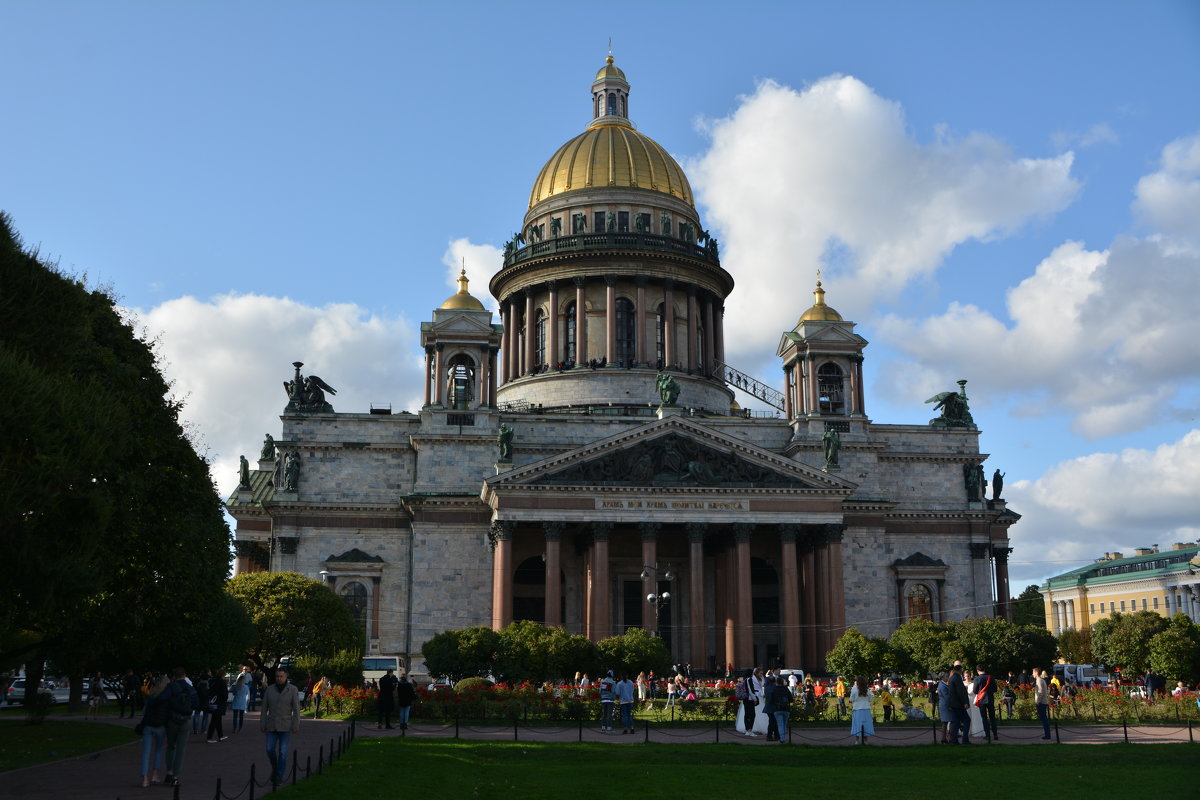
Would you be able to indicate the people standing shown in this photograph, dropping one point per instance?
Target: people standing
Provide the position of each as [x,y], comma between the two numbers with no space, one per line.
[182,702]
[218,699]
[862,722]
[154,732]
[280,719]
[959,702]
[779,698]
[625,691]
[768,709]
[242,689]
[319,690]
[942,698]
[200,716]
[406,695]
[1041,698]
[641,687]
[95,697]
[754,694]
[885,699]
[128,693]
[386,702]
[607,696]
[985,699]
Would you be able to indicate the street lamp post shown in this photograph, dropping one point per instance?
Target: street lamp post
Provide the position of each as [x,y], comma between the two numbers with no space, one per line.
[657,601]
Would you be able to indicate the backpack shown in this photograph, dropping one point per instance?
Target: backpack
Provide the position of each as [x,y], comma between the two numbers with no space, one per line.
[741,692]
[182,701]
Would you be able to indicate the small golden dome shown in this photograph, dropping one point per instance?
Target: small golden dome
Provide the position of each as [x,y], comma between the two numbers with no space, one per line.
[611,154]
[462,300]
[819,311]
[610,71]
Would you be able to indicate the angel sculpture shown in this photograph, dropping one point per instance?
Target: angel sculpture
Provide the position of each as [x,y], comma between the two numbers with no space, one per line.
[955,411]
[307,395]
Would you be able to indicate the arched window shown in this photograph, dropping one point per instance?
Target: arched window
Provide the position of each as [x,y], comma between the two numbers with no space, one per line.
[569,339]
[612,103]
[920,603]
[354,595]
[660,321]
[830,389]
[460,381]
[626,332]
[539,333]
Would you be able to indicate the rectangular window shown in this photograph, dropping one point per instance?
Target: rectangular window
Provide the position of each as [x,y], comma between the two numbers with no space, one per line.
[1122,605]
[1143,604]
[623,221]
[599,226]
[578,223]
[1091,608]
[1156,603]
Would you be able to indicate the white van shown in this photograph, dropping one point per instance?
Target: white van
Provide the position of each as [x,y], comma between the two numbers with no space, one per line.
[1082,674]
[375,667]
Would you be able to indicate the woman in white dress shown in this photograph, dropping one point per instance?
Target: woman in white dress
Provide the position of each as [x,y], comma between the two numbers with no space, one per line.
[973,710]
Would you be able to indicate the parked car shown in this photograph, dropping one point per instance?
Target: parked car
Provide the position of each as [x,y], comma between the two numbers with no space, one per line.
[16,692]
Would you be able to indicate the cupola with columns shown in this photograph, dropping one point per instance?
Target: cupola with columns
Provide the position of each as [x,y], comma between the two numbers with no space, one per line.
[822,366]
[612,276]
[461,345]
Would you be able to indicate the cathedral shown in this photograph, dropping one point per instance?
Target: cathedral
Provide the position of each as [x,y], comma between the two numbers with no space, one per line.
[582,461]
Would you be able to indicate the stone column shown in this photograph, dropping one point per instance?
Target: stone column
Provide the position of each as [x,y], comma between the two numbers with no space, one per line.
[822,597]
[580,323]
[709,337]
[642,314]
[530,334]
[553,613]
[726,592]
[788,389]
[696,622]
[552,358]
[814,399]
[428,374]
[492,377]
[790,595]
[808,580]
[439,383]
[693,312]
[610,317]
[649,532]
[483,379]
[502,588]
[668,323]
[719,334]
[1002,587]
[505,341]
[744,632]
[601,625]
[837,581]
[855,410]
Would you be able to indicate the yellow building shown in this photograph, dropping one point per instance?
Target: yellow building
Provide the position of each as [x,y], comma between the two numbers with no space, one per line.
[1163,582]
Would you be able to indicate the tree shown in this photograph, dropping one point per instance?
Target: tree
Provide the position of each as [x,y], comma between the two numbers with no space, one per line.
[999,645]
[466,653]
[918,648]
[855,654]
[1028,608]
[1076,646]
[529,651]
[1175,652]
[634,651]
[1123,640]
[294,616]
[104,504]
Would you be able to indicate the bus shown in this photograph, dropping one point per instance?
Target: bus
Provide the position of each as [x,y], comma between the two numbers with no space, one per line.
[375,667]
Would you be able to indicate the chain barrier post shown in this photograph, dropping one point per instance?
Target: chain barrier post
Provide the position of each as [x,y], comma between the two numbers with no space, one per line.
[514,730]
[307,766]
[320,758]
[217,794]
[1125,728]
[1056,739]
[253,783]
[717,725]
[581,729]
[646,723]
[456,727]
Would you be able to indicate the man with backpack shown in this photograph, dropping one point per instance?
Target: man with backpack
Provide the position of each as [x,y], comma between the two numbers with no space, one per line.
[181,702]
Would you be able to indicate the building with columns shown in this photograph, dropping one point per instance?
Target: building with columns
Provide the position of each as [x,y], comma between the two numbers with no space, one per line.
[586,451]
[1166,583]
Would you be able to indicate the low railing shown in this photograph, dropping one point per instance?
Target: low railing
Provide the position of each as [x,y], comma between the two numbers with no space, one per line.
[580,242]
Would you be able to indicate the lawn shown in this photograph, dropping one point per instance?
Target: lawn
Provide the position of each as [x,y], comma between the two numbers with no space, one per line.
[385,768]
[23,745]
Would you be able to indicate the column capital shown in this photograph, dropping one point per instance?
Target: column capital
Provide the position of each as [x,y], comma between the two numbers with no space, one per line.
[641,280]
[552,283]
[742,531]
[788,533]
[649,530]
[696,531]
[669,284]
[553,530]
[500,531]
[610,280]
[980,549]
[1001,554]
[579,282]
[601,531]
[832,532]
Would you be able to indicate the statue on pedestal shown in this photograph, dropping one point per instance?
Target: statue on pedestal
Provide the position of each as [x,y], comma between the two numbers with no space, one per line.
[668,389]
[504,439]
[833,445]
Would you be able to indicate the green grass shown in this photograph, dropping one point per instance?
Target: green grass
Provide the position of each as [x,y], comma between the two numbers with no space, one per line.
[23,745]
[383,768]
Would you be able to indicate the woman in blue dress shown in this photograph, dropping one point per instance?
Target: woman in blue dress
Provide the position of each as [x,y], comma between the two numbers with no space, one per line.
[862,721]
[241,698]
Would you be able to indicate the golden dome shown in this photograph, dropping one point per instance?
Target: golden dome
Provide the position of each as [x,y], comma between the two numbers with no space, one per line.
[462,300]
[610,71]
[819,311]
[611,154]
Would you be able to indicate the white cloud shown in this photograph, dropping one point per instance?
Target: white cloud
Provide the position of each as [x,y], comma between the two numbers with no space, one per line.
[1109,335]
[482,262]
[1100,133]
[1169,200]
[228,359]
[830,177]
[1082,508]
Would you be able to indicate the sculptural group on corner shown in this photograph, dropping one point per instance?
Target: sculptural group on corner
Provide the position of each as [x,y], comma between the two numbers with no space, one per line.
[268,449]
[668,389]
[956,412]
[307,395]
[287,473]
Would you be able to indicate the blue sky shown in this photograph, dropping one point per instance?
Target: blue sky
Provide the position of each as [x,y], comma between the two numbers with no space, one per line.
[1008,193]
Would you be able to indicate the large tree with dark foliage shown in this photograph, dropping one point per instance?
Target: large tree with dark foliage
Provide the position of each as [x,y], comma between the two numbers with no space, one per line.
[113,531]
[1029,608]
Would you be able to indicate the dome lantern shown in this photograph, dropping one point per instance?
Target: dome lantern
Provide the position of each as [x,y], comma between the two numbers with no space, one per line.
[610,96]
[462,300]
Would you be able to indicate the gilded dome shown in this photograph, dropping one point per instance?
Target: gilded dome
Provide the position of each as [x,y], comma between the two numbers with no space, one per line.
[610,71]
[611,154]
[462,300]
[819,311]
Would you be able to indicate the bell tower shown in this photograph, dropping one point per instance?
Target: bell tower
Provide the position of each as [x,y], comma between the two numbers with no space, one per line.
[460,345]
[822,365]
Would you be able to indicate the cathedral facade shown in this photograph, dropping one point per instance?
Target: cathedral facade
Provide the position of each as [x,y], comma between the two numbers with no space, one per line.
[582,461]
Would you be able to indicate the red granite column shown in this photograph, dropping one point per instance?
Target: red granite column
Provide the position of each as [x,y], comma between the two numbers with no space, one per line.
[505,341]
[790,595]
[610,317]
[580,324]
[428,374]
[553,613]
[1002,588]
[438,370]
[642,315]
[693,314]
[649,532]
[709,337]
[822,597]
[502,589]
[789,388]
[837,592]
[808,580]
[726,590]
[814,399]
[483,378]
[530,335]
[668,323]
[492,378]
[696,621]
[744,647]
[855,410]
[719,333]
[552,357]
[601,600]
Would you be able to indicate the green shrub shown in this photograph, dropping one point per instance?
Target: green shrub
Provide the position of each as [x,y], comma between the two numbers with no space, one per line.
[471,683]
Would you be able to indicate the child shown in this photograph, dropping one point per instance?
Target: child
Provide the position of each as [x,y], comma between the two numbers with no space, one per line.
[885,697]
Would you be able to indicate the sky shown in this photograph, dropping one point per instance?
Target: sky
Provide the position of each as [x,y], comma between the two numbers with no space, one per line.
[1007,193]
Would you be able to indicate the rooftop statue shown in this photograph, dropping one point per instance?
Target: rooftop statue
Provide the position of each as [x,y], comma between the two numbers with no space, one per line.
[668,389]
[504,439]
[956,413]
[307,395]
[291,471]
[997,484]
[833,446]
[268,449]
[243,473]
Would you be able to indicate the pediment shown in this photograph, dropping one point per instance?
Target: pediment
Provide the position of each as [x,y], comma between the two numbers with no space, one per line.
[474,322]
[675,452]
[354,556]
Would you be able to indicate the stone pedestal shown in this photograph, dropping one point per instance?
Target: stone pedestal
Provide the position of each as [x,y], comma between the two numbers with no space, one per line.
[671,411]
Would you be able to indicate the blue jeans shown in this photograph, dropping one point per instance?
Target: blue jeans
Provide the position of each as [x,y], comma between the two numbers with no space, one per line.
[781,722]
[404,712]
[606,715]
[176,744]
[154,740]
[1043,712]
[278,741]
[627,716]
